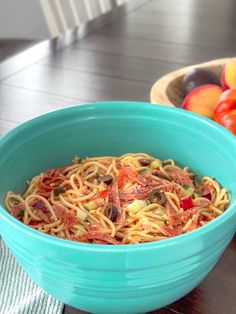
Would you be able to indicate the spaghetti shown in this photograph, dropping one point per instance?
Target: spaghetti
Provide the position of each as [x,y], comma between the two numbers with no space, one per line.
[134,198]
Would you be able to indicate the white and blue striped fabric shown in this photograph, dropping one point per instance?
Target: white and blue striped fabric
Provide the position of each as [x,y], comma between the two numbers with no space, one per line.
[18,294]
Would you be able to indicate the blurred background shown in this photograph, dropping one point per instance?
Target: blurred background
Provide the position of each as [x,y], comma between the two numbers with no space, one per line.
[26,22]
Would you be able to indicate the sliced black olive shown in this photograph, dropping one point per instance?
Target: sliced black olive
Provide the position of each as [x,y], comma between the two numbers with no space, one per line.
[157,196]
[111,212]
[106,179]
[39,204]
[59,190]
[145,161]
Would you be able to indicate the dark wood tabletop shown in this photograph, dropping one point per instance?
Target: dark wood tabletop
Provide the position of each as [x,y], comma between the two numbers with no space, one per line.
[121,61]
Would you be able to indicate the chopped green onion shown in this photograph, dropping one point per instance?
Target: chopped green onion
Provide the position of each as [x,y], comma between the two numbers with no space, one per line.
[155,164]
[81,215]
[22,213]
[143,170]
[136,206]
[196,194]
[90,205]
[188,189]
[80,232]
[167,163]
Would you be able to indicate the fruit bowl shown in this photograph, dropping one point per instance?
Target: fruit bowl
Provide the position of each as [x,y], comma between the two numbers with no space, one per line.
[168,89]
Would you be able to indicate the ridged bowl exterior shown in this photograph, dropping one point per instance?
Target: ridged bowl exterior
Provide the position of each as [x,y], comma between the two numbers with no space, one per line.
[117,279]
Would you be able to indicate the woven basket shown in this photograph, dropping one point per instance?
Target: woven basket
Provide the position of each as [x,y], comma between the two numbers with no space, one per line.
[168,89]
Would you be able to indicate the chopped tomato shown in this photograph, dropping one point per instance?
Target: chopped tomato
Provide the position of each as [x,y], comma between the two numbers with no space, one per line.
[186,202]
[104,193]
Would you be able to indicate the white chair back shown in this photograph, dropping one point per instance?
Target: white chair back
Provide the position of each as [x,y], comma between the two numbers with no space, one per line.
[62,15]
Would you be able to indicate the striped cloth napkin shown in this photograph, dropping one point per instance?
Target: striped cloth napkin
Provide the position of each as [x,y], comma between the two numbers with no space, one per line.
[18,294]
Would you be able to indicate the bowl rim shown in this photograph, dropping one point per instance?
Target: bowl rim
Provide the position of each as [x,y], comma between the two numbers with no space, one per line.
[7,217]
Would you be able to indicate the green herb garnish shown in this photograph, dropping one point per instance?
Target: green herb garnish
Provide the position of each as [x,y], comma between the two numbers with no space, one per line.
[196,194]
[167,163]
[22,213]
[188,189]
[143,170]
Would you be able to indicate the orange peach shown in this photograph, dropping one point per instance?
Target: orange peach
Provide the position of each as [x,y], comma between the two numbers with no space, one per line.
[228,76]
[202,100]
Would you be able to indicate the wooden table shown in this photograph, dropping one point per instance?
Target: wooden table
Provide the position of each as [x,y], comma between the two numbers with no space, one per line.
[121,61]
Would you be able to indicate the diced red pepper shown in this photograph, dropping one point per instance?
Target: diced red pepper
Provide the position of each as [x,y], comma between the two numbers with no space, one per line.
[104,193]
[186,202]
[207,196]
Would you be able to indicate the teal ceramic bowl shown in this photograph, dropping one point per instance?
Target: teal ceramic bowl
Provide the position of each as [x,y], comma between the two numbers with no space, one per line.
[126,278]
